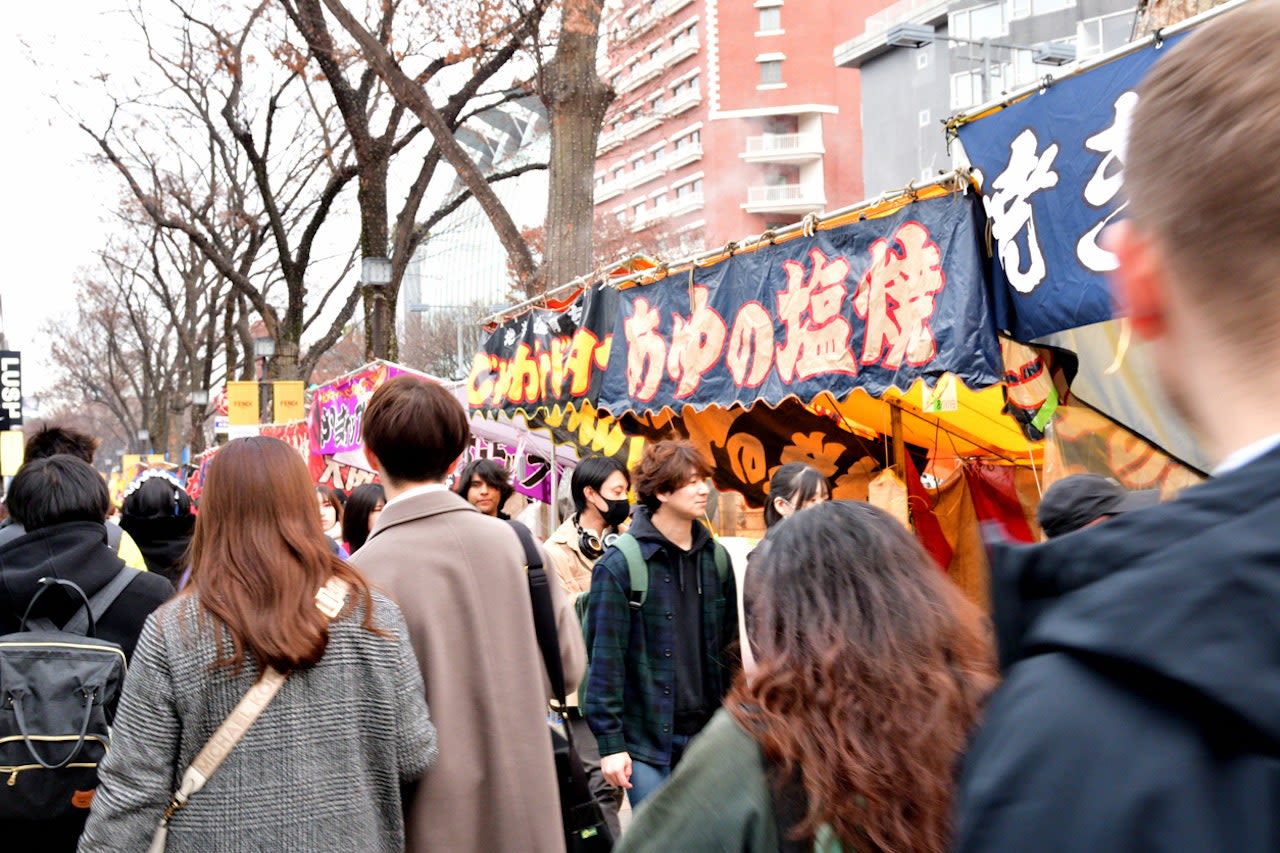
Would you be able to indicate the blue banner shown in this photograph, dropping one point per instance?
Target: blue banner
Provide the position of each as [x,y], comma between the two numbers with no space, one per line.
[1052,168]
[872,304]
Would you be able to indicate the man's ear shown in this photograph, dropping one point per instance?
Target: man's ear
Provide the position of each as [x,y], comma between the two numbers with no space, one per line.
[1139,285]
[373,460]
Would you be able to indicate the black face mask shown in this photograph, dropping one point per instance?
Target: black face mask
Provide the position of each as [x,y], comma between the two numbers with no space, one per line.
[616,512]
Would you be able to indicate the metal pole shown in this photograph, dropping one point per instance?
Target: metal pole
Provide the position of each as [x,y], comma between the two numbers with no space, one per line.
[986,69]
[379,339]
[899,446]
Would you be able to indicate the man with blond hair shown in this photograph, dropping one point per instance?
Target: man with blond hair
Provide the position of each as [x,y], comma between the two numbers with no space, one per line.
[1141,711]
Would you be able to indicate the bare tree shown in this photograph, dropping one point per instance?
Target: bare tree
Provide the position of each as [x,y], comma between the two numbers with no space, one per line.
[575,99]
[357,91]
[231,137]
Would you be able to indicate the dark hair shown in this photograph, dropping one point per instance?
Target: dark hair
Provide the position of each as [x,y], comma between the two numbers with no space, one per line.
[331,497]
[796,483]
[416,428]
[665,467]
[53,440]
[157,497]
[490,472]
[871,672]
[259,556]
[55,490]
[355,516]
[592,472]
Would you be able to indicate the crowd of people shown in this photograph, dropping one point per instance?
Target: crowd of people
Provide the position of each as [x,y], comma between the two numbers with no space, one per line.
[311,671]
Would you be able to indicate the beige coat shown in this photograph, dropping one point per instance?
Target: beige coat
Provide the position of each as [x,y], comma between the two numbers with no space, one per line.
[571,565]
[459,579]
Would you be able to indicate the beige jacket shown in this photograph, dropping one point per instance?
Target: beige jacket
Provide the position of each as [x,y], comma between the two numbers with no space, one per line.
[571,565]
[459,579]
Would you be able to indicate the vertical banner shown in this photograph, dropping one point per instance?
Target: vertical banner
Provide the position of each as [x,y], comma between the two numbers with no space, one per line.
[287,398]
[242,403]
[1051,168]
[10,390]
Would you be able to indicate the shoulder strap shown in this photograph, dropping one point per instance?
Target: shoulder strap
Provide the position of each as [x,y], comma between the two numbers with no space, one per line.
[637,568]
[329,600]
[101,600]
[114,534]
[544,617]
[722,560]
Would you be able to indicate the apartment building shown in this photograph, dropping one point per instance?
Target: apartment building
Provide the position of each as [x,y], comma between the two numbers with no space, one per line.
[924,60]
[730,118]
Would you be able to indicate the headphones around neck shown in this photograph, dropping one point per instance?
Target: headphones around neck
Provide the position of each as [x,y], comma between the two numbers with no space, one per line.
[591,545]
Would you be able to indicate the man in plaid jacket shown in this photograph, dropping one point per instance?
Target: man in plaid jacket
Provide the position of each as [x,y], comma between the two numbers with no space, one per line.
[659,671]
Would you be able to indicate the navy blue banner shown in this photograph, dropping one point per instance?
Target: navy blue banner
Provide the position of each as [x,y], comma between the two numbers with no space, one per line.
[870,305]
[545,358]
[1052,167]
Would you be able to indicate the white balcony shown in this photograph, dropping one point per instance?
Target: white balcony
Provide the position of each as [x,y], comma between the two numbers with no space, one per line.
[785,198]
[639,125]
[685,204]
[684,156]
[608,190]
[783,148]
[683,102]
[669,8]
[650,171]
[609,140]
[642,73]
[647,217]
[683,48]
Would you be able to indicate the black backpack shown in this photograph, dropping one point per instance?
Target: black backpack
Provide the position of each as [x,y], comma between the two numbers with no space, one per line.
[58,692]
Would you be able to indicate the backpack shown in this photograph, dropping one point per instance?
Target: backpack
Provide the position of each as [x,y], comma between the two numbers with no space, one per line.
[58,692]
[638,571]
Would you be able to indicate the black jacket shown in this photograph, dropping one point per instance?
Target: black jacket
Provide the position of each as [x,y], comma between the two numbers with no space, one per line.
[78,552]
[1141,706]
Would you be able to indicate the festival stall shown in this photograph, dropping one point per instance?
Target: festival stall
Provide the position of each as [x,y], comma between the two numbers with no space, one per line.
[336,451]
[1049,162]
[861,343]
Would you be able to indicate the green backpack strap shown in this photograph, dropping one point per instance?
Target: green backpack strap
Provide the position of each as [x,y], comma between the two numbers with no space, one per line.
[637,568]
[722,560]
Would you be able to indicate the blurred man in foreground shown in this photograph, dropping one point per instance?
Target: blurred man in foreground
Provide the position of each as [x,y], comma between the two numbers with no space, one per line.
[1141,707]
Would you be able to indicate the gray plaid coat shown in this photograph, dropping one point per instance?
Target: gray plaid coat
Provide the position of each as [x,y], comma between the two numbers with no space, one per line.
[320,770]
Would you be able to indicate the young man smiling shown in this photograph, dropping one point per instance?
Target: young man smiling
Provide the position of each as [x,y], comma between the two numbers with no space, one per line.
[661,658]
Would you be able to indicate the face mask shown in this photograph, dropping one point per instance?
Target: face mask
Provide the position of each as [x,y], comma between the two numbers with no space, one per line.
[616,512]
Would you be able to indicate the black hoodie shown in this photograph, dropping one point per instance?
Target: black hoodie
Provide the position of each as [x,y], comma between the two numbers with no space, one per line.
[1141,706]
[76,551]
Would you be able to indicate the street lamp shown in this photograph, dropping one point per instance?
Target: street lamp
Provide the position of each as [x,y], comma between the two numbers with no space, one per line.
[200,397]
[264,349]
[375,274]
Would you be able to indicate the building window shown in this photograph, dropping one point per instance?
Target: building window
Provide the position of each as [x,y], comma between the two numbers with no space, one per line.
[771,72]
[617,173]
[967,89]
[659,154]
[1031,8]
[689,139]
[770,19]
[637,209]
[659,201]
[1104,34]
[979,22]
[692,188]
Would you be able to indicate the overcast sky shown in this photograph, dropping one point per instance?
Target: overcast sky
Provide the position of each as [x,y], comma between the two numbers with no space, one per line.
[56,200]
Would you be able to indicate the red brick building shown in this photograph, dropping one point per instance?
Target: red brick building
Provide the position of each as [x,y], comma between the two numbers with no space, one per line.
[731,117]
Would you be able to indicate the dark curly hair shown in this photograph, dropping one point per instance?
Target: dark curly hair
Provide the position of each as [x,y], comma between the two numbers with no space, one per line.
[665,467]
[871,672]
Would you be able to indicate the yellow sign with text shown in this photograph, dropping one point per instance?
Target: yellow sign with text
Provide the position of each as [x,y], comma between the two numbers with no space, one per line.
[287,397]
[242,403]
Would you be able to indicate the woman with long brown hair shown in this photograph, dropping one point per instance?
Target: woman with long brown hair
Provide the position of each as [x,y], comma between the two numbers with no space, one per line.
[870,672]
[321,768]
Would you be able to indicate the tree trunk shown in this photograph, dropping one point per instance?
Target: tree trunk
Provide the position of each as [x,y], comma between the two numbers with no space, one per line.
[576,100]
[1157,14]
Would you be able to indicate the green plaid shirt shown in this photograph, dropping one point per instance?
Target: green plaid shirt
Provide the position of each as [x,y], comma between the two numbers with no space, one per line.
[630,701]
